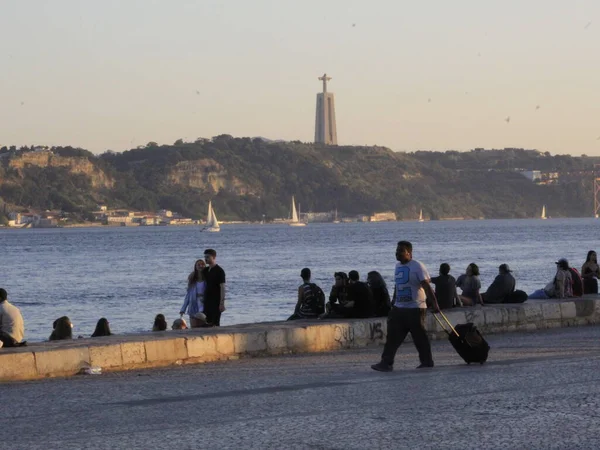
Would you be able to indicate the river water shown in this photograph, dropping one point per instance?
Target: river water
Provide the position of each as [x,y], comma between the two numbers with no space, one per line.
[128,275]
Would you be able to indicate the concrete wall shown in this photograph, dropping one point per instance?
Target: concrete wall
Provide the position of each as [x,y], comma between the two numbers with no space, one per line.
[124,352]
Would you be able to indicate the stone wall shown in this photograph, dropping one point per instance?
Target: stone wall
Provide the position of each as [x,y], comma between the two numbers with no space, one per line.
[125,352]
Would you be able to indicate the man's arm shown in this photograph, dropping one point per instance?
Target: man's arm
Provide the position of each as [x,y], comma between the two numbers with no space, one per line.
[222,302]
[430,295]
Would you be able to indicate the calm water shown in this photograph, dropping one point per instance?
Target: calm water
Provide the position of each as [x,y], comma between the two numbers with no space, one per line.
[130,274]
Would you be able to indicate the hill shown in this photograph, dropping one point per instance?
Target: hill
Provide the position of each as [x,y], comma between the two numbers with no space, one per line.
[247,178]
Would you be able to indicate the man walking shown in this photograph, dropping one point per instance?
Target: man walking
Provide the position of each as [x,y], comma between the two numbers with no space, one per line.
[214,294]
[409,309]
[12,328]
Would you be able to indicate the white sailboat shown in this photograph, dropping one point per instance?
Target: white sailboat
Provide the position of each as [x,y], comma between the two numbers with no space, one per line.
[543,216]
[295,222]
[421,216]
[336,220]
[212,224]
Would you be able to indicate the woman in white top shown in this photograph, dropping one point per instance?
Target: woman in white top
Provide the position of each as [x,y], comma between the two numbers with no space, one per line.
[194,299]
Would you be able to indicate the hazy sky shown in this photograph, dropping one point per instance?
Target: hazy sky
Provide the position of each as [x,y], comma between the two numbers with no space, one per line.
[114,74]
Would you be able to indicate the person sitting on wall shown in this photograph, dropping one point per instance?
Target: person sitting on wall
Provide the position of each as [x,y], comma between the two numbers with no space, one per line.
[381,295]
[311,299]
[360,295]
[445,288]
[179,324]
[102,328]
[470,284]
[502,286]
[561,285]
[590,272]
[62,329]
[160,323]
[338,306]
[12,327]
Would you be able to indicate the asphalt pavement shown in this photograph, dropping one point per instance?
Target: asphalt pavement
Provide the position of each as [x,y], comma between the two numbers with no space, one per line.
[538,391]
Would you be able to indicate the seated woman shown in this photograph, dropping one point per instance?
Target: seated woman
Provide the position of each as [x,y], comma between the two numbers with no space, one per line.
[445,288]
[62,329]
[381,295]
[590,272]
[102,328]
[338,306]
[160,323]
[470,284]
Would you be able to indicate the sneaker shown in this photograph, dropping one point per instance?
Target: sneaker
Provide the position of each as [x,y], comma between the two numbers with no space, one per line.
[382,367]
[425,366]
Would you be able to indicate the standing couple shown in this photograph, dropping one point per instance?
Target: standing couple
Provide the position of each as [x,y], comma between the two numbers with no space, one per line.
[205,298]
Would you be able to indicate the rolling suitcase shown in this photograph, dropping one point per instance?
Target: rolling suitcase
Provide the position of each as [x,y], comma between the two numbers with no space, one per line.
[466,340]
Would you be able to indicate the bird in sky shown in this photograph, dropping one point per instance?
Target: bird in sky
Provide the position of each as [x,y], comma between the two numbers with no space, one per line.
[537,107]
[507,120]
[353,25]
[428,100]
[197,92]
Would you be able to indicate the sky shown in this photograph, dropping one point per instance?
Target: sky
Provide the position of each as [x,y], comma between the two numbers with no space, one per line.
[428,75]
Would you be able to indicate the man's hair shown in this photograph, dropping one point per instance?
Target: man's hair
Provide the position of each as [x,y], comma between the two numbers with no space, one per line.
[407,245]
[3,294]
[210,251]
[305,273]
[353,275]
[444,268]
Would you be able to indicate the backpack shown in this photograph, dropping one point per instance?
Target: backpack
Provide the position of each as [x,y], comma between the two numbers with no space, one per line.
[577,282]
[318,297]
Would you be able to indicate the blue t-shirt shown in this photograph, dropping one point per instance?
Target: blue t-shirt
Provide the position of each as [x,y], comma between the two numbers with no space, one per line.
[409,292]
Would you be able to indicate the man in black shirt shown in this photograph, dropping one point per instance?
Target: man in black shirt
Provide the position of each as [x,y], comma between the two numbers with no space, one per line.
[445,288]
[214,294]
[360,294]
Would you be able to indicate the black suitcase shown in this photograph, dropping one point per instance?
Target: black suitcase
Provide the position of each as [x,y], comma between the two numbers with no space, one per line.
[467,341]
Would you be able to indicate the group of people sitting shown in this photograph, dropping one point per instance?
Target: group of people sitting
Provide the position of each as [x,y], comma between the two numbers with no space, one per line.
[349,297]
[569,282]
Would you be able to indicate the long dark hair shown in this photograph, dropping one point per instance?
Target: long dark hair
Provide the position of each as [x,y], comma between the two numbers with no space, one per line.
[160,323]
[474,269]
[62,329]
[102,328]
[196,275]
[589,256]
[375,280]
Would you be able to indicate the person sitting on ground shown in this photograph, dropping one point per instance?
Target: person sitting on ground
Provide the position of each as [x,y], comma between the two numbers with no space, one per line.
[194,299]
[12,327]
[102,328]
[311,299]
[445,288]
[360,295]
[502,286]
[470,284]
[160,323]
[338,305]
[179,324]
[62,329]
[381,295]
[590,272]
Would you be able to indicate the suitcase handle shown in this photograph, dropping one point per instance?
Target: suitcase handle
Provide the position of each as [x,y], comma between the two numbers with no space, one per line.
[447,321]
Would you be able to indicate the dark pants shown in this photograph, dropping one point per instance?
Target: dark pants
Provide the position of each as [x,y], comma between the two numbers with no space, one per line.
[400,322]
[213,315]
[7,340]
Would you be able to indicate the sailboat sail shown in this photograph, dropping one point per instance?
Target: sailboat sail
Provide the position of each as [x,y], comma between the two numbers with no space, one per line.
[212,224]
[421,216]
[295,222]
[294,213]
[543,212]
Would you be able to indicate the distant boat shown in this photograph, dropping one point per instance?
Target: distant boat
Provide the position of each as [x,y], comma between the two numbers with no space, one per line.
[212,224]
[421,216]
[543,216]
[295,222]
[335,219]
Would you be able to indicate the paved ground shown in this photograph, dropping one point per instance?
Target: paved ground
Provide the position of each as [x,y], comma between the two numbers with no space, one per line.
[538,391]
